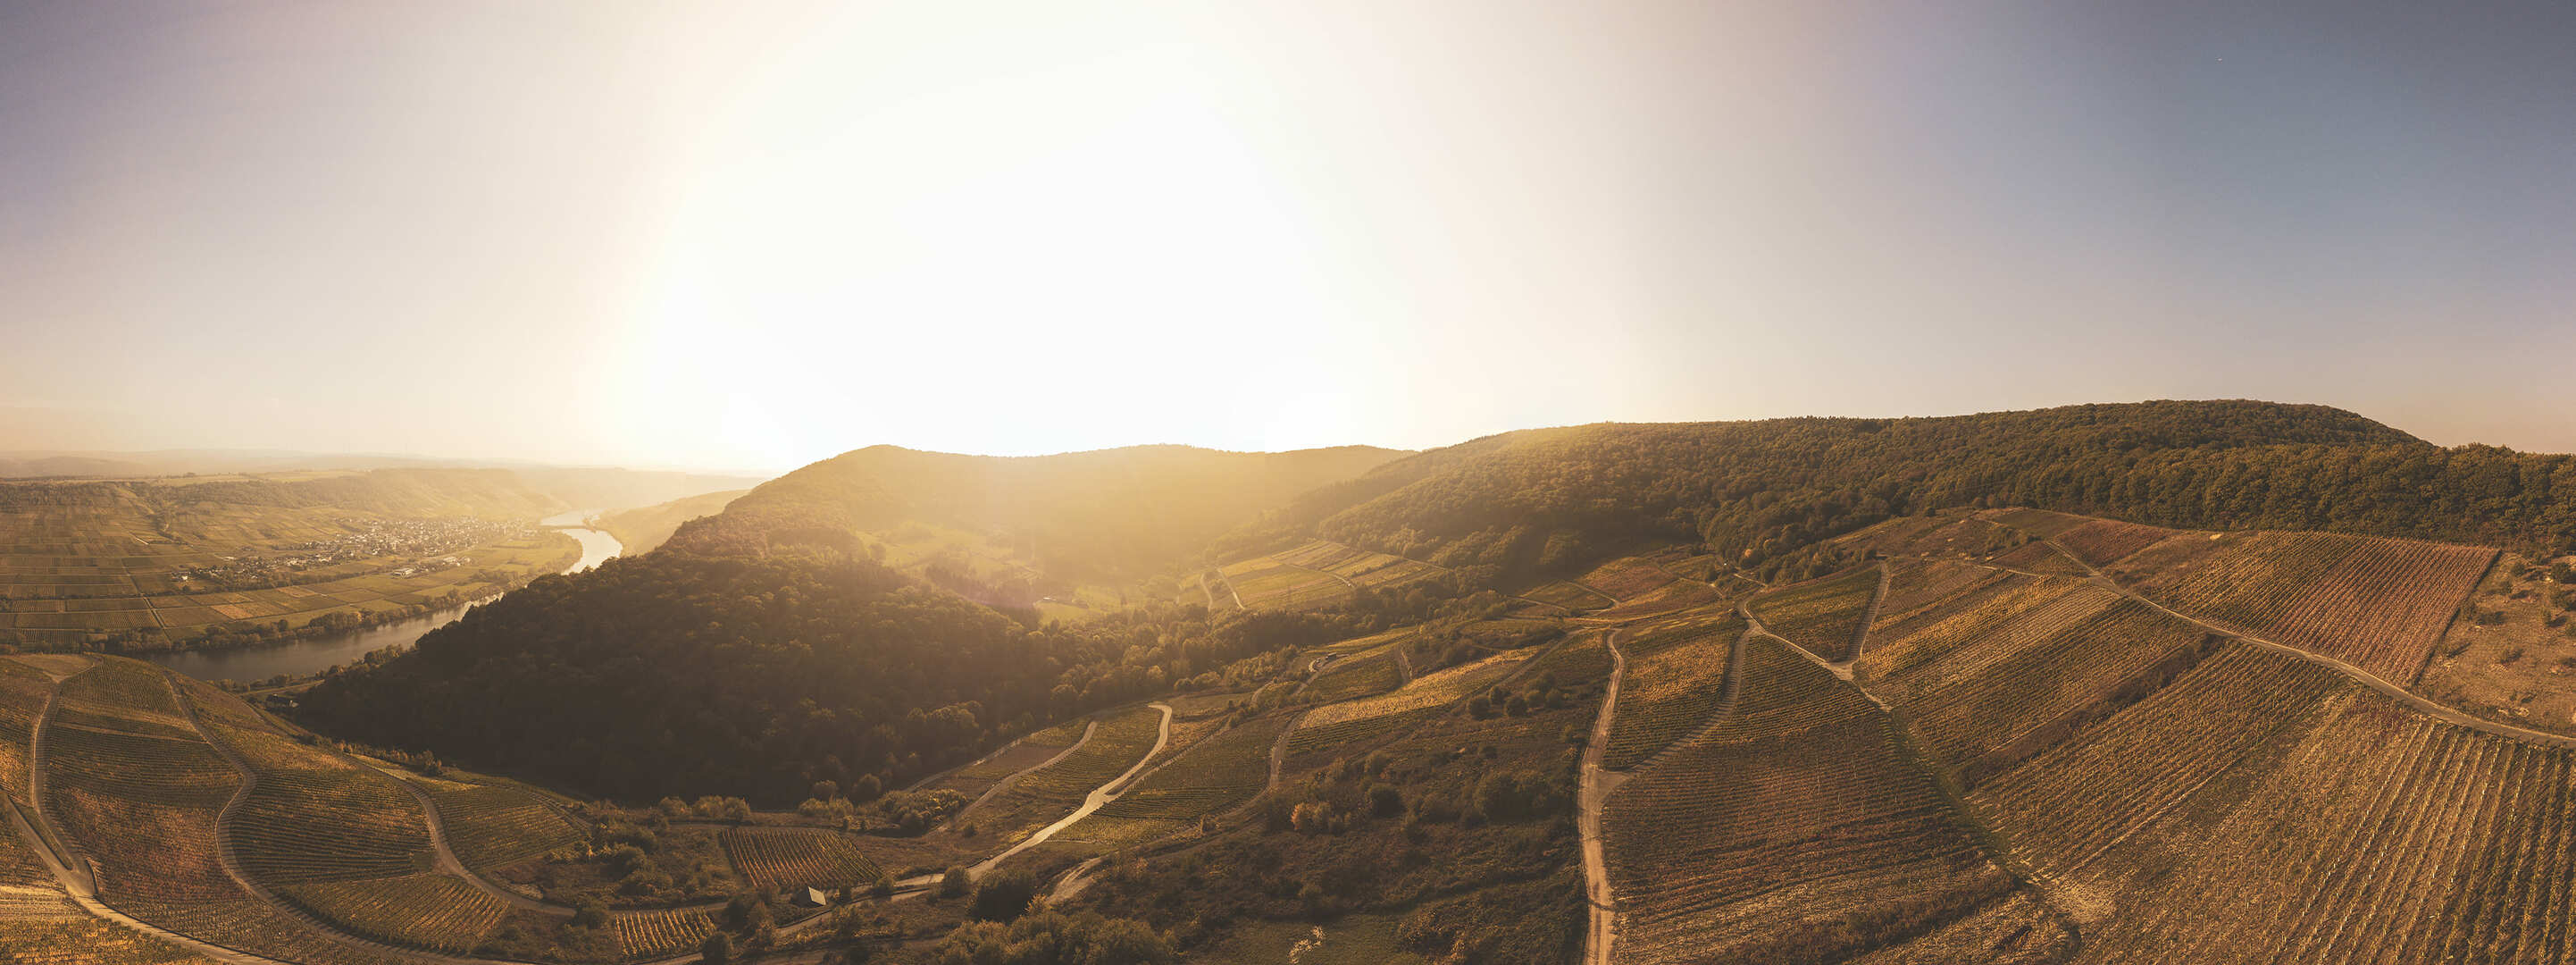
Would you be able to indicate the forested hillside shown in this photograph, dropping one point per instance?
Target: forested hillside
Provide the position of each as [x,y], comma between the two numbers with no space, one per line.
[1756,492]
[682,674]
[769,646]
[1113,512]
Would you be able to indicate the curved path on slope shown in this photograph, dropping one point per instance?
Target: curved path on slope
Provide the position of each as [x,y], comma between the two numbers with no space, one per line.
[88,902]
[1279,747]
[1099,796]
[447,861]
[72,871]
[1088,728]
[2365,678]
[224,821]
[1869,617]
[1346,581]
[1597,785]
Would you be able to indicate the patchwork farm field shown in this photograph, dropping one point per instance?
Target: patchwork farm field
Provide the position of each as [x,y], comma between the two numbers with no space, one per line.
[2173,761]
[1214,776]
[794,858]
[166,561]
[1792,835]
[1335,725]
[2171,794]
[1824,616]
[2379,604]
[1675,682]
[1317,573]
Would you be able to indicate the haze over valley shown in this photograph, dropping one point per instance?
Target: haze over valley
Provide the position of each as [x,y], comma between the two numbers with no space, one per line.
[1326,483]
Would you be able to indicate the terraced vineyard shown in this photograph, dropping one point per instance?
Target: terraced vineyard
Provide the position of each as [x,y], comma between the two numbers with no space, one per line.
[1115,745]
[1674,684]
[654,934]
[2111,779]
[2275,812]
[2380,604]
[22,697]
[1568,596]
[1335,725]
[1374,672]
[1670,596]
[1583,660]
[337,823]
[432,911]
[2101,542]
[1266,584]
[2038,558]
[1824,616]
[2037,675]
[253,926]
[2037,522]
[139,802]
[1626,578]
[1948,536]
[1915,587]
[78,939]
[1215,776]
[1934,631]
[489,826]
[1357,565]
[784,858]
[1771,839]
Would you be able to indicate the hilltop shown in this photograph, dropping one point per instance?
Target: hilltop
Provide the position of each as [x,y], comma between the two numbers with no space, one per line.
[1106,514]
[1549,502]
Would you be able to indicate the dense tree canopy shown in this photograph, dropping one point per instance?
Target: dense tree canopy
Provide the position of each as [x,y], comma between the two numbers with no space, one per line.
[687,674]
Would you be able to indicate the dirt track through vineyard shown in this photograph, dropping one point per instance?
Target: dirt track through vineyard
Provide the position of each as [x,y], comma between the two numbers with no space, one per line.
[2359,675]
[224,822]
[1098,797]
[1596,788]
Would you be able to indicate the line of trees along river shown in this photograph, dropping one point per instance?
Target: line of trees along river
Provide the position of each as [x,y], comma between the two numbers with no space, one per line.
[314,654]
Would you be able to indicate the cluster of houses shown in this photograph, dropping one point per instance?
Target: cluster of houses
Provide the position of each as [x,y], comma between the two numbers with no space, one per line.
[438,539]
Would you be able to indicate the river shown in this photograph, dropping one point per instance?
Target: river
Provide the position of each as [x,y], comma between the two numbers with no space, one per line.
[312,654]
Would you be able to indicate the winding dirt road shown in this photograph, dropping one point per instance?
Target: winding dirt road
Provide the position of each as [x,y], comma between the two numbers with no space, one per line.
[71,870]
[224,822]
[1088,728]
[2365,678]
[1597,785]
[1099,796]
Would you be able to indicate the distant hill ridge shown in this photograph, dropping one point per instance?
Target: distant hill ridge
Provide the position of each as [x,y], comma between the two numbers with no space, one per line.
[490,493]
[1553,500]
[1127,511]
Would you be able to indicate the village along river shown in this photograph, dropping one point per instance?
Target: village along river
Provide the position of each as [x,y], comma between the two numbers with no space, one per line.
[314,654]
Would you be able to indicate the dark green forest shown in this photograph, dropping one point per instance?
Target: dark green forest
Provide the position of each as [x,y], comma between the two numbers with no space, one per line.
[684,674]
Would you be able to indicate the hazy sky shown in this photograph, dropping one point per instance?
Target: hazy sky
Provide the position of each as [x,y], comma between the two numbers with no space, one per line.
[752,235]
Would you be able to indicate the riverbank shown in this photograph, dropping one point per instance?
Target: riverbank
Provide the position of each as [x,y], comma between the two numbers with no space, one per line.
[304,656]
